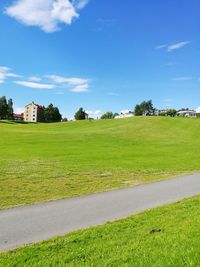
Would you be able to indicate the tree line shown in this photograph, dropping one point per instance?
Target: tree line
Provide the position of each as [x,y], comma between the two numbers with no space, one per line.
[145,108]
[51,113]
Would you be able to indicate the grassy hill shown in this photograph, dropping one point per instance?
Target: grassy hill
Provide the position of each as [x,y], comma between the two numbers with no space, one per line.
[129,242]
[49,161]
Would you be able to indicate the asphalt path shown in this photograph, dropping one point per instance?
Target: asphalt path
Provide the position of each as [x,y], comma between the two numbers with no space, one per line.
[31,224]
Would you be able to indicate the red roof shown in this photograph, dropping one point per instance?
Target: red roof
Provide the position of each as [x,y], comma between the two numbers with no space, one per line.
[19,116]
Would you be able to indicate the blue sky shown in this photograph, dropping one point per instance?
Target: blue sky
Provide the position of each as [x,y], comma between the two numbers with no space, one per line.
[101,55]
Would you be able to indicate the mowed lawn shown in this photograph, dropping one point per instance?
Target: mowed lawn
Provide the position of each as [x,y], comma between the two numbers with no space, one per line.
[163,237]
[41,162]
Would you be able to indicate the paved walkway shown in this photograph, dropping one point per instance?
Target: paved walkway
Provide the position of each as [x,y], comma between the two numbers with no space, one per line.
[29,224]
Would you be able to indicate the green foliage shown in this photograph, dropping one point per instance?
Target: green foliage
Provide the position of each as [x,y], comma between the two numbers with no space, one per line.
[138,110]
[10,112]
[144,109]
[41,162]
[52,114]
[6,108]
[80,115]
[128,242]
[115,114]
[65,119]
[169,112]
[107,116]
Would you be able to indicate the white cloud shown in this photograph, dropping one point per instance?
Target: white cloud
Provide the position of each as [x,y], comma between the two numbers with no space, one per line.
[94,114]
[182,79]
[35,85]
[97,112]
[177,45]
[18,110]
[172,47]
[34,79]
[70,81]
[80,4]
[5,73]
[161,46]
[47,15]
[78,85]
[198,110]
[125,111]
[83,88]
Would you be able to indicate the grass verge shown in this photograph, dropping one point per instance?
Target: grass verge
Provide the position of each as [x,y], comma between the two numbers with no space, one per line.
[128,242]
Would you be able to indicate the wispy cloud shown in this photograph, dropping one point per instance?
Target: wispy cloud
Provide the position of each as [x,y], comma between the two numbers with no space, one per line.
[34,79]
[5,73]
[161,46]
[77,85]
[82,88]
[172,47]
[35,85]
[177,45]
[80,4]
[184,78]
[113,94]
[47,15]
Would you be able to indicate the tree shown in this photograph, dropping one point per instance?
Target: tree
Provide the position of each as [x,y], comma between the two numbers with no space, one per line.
[138,110]
[171,112]
[10,112]
[81,115]
[3,107]
[107,116]
[144,109]
[52,114]
[115,114]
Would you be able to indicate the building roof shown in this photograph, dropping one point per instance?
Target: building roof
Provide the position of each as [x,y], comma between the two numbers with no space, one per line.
[19,116]
[39,106]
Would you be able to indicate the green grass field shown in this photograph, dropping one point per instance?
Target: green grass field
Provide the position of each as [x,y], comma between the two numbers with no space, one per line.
[126,242]
[42,162]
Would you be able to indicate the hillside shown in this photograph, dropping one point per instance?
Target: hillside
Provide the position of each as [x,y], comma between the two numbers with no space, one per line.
[40,162]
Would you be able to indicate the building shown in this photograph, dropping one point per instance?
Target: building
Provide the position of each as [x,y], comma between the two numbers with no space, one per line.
[34,113]
[186,113]
[124,115]
[18,117]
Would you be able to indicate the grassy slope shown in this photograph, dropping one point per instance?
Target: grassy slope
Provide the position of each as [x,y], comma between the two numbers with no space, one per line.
[123,243]
[51,161]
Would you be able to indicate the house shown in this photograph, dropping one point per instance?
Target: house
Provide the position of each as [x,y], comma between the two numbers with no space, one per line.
[18,117]
[186,113]
[34,113]
[158,112]
[124,115]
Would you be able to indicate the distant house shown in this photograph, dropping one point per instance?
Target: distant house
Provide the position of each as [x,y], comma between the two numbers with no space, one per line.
[18,117]
[158,112]
[186,113]
[34,113]
[125,115]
